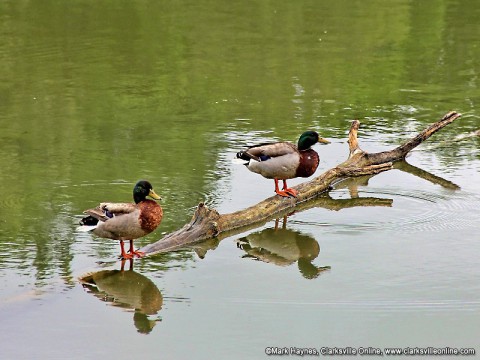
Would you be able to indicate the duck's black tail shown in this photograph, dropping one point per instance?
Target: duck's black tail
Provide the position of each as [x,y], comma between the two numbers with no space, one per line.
[245,155]
[89,221]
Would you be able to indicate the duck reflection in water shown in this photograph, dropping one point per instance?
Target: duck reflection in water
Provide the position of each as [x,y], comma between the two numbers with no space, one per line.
[283,247]
[129,290]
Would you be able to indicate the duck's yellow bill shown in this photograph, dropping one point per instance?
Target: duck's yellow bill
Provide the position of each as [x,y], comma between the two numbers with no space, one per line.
[154,195]
[323,141]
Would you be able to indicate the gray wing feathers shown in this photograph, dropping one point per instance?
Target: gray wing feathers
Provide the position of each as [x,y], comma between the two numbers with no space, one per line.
[118,208]
[272,150]
[97,213]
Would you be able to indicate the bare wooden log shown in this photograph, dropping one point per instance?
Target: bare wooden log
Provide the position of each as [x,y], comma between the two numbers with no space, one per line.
[400,152]
[208,223]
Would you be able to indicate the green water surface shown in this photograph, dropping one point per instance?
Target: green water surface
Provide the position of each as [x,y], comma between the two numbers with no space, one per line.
[95,95]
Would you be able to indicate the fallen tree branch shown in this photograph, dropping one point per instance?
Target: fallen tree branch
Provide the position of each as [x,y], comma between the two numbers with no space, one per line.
[208,223]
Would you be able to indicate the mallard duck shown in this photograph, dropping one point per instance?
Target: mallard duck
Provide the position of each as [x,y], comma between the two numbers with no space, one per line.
[125,221]
[283,160]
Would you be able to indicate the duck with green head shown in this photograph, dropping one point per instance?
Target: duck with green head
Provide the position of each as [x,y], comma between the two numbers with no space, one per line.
[125,221]
[283,160]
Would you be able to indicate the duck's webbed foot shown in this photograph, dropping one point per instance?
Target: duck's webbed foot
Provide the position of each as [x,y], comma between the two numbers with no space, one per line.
[286,192]
[283,193]
[136,253]
[132,252]
[289,191]
[124,255]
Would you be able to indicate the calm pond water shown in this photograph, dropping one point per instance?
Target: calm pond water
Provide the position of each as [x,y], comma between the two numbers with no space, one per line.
[96,95]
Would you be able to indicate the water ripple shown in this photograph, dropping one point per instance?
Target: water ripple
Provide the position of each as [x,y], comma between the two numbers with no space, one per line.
[412,210]
[375,305]
[452,211]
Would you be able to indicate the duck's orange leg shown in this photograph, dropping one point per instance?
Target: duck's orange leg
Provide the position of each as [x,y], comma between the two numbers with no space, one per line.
[289,191]
[124,255]
[133,252]
[280,192]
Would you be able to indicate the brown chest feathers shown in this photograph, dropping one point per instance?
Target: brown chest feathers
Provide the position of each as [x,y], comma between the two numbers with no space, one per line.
[150,215]
[308,163]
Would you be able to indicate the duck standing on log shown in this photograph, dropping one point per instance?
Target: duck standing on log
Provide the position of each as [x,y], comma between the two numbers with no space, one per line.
[283,160]
[125,221]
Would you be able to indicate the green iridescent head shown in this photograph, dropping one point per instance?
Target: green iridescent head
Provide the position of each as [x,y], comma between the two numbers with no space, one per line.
[143,189]
[310,138]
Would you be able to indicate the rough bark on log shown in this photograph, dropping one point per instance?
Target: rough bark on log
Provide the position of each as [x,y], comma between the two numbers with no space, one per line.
[208,223]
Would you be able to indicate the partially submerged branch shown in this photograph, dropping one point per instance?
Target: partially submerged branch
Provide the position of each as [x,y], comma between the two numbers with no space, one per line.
[208,223]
